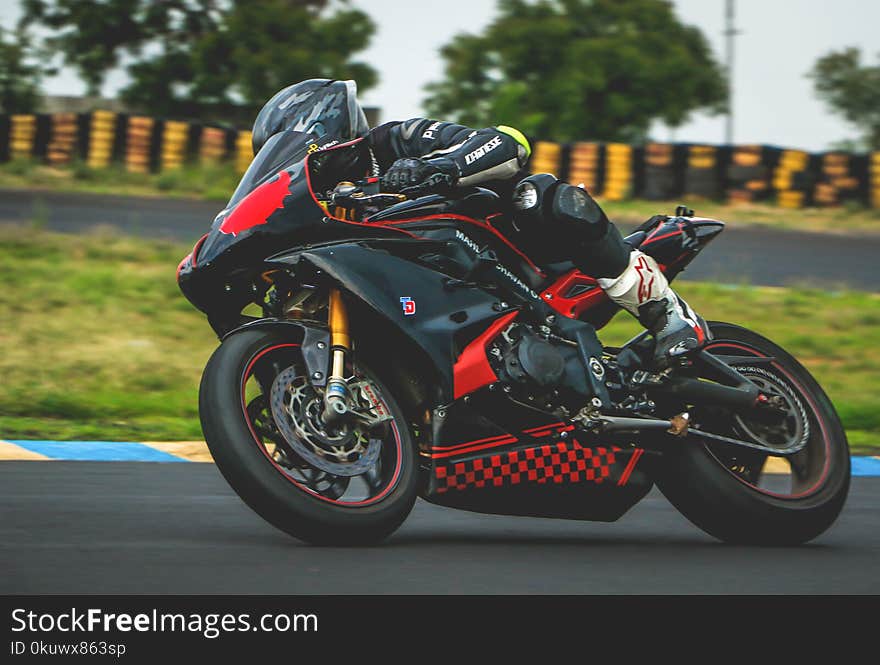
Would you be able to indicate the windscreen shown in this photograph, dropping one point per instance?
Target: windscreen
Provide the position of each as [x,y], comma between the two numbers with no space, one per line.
[280,151]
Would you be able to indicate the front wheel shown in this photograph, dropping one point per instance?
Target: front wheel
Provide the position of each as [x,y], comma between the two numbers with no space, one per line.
[260,415]
[742,496]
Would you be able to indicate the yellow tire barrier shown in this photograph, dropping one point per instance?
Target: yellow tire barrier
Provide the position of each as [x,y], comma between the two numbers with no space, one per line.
[101,138]
[137,145]
[62,143]
[794,160]
[546,157]
[22,130]
[175,136]
[584,164]
[736,196]
[826,194]
[605,169]
[244,151]
[659,154]
[618,171]
[212,146]
[790,163]
[790,199]
[702,157]
[747,155]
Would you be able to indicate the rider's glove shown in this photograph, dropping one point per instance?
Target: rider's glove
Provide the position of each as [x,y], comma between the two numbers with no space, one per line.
[420,176]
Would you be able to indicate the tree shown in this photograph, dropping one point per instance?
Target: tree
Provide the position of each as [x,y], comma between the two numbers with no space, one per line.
[200,58]
[852,90]
[88,34]
[579,69]
[20,74]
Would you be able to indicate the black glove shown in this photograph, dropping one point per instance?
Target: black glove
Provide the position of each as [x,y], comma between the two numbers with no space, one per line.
[420,176]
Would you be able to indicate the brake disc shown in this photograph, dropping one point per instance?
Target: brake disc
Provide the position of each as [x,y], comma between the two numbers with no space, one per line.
[296,408]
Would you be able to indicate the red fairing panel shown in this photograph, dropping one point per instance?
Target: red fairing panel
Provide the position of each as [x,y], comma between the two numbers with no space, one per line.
[257,206]
[472,370]
[555,294]
[192,257]
[539,455]
[554,463]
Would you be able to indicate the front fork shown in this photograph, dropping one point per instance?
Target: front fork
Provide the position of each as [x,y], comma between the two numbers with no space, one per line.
[336,393]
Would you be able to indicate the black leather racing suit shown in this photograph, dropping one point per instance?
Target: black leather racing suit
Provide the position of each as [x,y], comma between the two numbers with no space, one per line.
[482,156]
[567,224]
[495,158]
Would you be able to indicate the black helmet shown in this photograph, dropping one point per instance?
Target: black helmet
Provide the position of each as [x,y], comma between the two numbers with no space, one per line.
[320,107]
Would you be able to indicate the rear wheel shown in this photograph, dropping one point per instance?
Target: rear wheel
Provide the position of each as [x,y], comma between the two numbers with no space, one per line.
[743,496]
[349,484]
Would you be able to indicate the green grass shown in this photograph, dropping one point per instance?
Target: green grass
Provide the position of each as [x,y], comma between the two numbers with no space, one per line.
[96,341]
[217,182]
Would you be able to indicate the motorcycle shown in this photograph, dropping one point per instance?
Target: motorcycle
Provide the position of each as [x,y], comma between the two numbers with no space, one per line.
[377,347]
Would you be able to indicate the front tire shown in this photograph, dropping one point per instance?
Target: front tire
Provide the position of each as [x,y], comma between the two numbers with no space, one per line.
[723,493]
[263,475]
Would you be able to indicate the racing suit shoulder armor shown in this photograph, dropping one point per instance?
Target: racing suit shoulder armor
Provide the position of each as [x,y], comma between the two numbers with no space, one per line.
[480,155]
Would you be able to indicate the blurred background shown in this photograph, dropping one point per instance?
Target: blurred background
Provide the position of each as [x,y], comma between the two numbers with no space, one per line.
[124,125]
[776,45]
[742,100]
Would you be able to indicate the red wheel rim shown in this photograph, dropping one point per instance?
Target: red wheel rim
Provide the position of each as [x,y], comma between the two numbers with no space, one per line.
[802,393]
[390,485]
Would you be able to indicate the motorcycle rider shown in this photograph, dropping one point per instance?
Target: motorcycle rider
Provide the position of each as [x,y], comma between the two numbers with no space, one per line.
[551,218]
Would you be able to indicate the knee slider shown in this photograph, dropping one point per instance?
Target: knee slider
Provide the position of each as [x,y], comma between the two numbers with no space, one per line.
[574,208]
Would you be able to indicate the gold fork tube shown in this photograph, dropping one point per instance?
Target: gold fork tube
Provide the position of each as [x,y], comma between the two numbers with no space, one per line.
[336,393]
[338,321]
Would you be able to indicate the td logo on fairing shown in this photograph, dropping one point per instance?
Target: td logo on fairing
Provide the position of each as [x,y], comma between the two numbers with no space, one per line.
[408,304]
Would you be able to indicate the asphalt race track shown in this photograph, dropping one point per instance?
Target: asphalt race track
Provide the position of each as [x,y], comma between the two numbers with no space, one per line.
[756,256]
[139,527]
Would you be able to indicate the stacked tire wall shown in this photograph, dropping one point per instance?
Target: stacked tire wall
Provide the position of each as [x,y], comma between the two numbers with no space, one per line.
[676,172]
[102,139]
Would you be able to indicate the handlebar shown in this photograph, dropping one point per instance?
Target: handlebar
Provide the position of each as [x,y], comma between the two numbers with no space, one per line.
[363,198]
[363,194]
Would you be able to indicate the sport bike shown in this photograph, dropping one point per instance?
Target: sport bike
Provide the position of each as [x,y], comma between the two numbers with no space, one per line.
[376,348]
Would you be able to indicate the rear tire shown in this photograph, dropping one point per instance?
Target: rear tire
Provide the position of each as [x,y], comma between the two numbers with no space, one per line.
[245,464]
[725,504]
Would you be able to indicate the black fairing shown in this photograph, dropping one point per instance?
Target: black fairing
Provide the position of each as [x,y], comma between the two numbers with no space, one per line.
[272,209]
[475,202]
[381,280]
[461,274]
[675,241]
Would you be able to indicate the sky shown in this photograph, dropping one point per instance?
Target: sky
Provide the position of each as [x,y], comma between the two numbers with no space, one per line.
[773,100]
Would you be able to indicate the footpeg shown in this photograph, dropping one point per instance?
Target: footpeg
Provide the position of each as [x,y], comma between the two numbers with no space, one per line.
[678,425]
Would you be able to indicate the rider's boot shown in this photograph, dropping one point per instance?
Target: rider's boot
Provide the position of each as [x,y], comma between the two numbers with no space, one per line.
[643,291]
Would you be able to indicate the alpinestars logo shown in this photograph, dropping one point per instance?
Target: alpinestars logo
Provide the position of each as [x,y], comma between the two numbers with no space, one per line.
[408,304]
[644,269]
[484,149]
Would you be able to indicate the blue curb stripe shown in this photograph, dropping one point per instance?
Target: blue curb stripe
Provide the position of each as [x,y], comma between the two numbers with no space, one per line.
[130,451]
[865,466]
[98,451]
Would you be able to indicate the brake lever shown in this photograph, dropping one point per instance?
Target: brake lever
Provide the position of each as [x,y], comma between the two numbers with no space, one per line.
[383,199]
[350,195]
